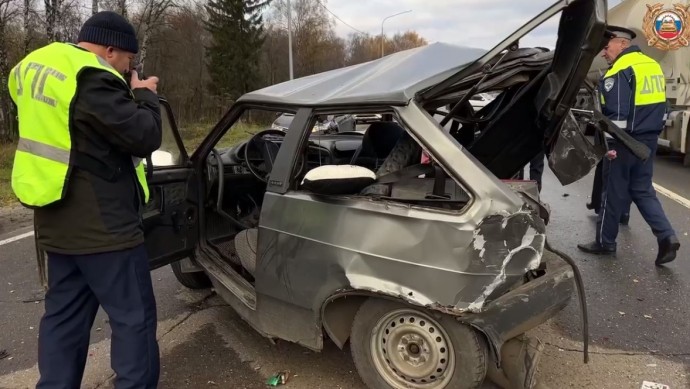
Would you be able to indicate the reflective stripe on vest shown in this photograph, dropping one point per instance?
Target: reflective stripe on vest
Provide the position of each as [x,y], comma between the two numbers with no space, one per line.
[43,86]
[650,82]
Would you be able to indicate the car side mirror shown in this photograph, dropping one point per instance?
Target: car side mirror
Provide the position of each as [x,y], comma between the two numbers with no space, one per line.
[161,158]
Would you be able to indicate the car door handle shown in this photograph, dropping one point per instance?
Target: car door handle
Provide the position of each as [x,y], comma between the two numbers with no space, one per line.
[161,199]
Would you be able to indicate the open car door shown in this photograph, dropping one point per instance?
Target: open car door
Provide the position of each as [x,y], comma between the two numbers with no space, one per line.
[171,225]
[170,216]
[534,114]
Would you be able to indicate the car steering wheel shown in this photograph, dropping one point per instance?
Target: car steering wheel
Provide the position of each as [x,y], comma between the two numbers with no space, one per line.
[268,151]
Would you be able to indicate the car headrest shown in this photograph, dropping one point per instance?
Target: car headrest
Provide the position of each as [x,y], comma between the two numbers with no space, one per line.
[381,137]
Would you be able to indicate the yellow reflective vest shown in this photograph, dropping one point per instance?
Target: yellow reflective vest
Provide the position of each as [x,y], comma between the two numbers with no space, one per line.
[633,93]
[43,86]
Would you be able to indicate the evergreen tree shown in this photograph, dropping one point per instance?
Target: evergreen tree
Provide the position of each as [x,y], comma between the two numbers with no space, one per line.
[237,32]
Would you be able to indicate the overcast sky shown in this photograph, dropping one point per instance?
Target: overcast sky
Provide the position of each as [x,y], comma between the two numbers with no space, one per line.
[476,23]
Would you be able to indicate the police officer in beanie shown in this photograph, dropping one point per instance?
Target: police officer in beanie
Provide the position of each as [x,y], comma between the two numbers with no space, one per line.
[83,132]
[633,96]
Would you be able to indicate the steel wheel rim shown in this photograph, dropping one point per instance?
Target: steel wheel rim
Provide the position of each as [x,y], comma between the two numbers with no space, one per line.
[411,350]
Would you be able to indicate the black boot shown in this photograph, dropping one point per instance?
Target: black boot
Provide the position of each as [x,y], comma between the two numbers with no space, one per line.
[667,250]
[596,248]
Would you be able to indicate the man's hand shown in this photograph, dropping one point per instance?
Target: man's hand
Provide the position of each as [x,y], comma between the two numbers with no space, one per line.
[150,83]
[611,154]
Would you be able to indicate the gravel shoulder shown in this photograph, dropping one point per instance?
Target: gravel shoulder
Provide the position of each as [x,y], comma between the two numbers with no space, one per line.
[14,217]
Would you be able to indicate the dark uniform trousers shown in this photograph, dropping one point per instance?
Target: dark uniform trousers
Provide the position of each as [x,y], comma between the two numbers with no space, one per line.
[630,179]
[121,283]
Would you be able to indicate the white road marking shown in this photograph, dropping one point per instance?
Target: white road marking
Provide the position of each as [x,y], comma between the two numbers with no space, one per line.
[16,238]
[653,385]
[672,195]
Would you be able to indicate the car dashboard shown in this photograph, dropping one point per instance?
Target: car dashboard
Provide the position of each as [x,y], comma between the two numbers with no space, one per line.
[323,149]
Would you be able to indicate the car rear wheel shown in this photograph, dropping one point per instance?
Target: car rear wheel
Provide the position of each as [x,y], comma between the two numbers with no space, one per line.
[395,345]
[196,280]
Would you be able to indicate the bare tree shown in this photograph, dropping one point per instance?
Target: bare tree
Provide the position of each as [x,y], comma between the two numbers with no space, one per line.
[27,24]
[151,17]
[70,20]
[274,66]
[9,10]
[119,6]
[405,41]
[122,7]
[52,8]
[175,43]
[33,31]
[316,47]
[176,53]
[364,47]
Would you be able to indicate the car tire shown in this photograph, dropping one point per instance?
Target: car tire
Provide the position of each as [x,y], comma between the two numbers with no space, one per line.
[196,280]
[396,345]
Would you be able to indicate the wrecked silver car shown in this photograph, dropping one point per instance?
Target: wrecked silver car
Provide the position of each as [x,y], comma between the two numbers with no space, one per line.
[410,241]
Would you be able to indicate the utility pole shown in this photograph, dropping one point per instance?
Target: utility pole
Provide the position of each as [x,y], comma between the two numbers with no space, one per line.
[384,19]
[289,17]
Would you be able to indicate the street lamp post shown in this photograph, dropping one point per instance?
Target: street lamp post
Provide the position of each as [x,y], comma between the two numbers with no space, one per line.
[384,19]
[289,20]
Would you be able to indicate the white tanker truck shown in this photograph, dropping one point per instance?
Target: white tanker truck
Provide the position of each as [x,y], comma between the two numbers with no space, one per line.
[663,33]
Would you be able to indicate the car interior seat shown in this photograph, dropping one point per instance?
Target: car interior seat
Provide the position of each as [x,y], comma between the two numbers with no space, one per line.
[379,140]
[406,152]
[246,242]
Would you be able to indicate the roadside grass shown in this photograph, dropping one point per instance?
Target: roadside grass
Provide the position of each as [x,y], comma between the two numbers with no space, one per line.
[6,160]
[193,134]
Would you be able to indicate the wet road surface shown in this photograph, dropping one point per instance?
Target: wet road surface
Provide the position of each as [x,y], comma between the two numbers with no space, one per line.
[639,314]
[633,305]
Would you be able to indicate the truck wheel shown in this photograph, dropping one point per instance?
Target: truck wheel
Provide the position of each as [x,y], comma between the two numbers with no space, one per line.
[196,280]
[395,345]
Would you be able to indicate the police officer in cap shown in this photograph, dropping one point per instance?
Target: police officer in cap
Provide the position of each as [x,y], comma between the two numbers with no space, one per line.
[633,96]
[83,130]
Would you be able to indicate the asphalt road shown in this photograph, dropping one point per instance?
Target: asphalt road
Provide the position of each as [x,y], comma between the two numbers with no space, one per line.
[639,315]
[634,305]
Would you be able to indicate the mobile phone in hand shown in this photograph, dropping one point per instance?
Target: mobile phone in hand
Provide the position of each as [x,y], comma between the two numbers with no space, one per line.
[139,68]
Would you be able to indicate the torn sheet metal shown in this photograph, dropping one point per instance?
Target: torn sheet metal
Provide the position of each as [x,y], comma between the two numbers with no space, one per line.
[529,193]
[573,156]
[527,305]
[511,245]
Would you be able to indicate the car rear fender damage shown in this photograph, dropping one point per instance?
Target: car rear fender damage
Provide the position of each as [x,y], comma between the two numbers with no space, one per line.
[502,245]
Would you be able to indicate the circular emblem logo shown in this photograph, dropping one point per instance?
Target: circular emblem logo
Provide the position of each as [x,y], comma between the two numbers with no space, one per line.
[668,25]
[667,28]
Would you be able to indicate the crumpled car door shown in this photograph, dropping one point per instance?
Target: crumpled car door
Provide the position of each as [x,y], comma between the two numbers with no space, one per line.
[573,156]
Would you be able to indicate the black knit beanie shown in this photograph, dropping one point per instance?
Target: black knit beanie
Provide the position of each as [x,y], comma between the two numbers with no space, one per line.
[108,28]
